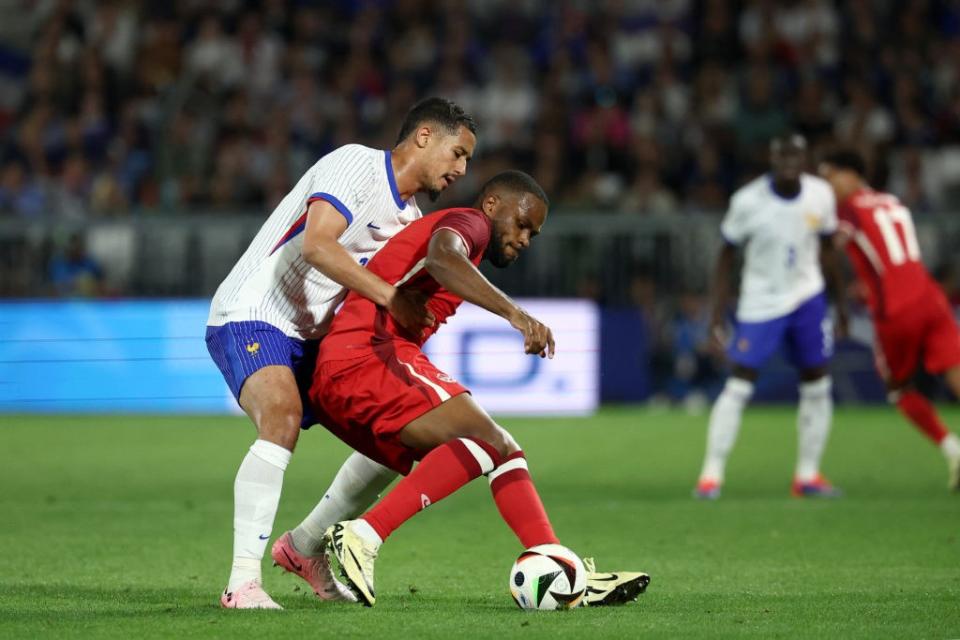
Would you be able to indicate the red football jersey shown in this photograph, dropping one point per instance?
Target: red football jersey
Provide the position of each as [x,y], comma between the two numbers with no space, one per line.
[884,250]
[360,323]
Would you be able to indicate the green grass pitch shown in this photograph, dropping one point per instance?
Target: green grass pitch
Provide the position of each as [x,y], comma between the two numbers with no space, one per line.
[120,526]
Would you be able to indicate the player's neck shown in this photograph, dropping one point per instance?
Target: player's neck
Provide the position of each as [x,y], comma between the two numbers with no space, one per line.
[786,189]
[403,173]
[854,188]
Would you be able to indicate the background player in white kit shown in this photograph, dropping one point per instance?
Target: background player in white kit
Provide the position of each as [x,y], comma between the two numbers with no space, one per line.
[785,220]
[268,315]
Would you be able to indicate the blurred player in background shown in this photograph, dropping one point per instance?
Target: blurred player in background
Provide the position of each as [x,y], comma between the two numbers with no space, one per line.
[376,390]
[912,319]
[268,315]
[785,220]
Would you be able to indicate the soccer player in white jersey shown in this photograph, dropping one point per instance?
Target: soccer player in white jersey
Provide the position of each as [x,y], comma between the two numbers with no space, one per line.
[784,221]
[268,315]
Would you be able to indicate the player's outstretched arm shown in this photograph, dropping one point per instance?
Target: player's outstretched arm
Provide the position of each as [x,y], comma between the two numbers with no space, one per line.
[322,250]
[720,292]
[448,262]
[833,276]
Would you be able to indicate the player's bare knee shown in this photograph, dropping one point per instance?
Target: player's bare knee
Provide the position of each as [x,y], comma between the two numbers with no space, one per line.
[283,433]
[511,445]
[278,421]
[952,377]
[500,439]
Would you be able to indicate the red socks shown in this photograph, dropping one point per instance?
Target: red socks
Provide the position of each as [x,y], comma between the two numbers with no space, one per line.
[519,503]
[454,464]
[921,413]
[441,472]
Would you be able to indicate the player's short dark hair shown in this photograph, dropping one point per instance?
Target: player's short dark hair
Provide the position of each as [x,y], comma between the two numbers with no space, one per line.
[791,138]
[446,113]
[515,182]
[846,159]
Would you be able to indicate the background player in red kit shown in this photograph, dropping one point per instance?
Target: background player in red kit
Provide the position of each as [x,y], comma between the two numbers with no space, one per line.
[376,390]
[912,319]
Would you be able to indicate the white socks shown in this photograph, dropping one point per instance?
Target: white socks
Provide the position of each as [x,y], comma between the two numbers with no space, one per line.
[363,529]
[724,426]
[813,426]
[950,446]
[355,487]
[256,495]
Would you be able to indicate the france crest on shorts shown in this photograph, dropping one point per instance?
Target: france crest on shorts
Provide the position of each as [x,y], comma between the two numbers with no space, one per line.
[240,349]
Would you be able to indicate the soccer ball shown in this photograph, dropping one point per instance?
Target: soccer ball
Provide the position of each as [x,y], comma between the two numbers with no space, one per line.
[548,577]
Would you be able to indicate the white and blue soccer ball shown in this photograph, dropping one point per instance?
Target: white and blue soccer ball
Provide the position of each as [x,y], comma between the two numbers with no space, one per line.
[548,577]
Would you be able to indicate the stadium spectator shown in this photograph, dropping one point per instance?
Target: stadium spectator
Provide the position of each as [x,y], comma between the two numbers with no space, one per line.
[149,98]
[20,196]
[695,373]
[74,273]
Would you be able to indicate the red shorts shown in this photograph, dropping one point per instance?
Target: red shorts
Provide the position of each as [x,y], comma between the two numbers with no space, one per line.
[366,401]
[927,330]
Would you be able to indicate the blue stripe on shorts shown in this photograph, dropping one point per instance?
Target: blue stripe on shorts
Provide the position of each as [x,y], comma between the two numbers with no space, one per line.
[240,349]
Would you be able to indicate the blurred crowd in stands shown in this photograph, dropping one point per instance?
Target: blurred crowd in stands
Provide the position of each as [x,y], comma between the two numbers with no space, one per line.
[118,108]
[645,106]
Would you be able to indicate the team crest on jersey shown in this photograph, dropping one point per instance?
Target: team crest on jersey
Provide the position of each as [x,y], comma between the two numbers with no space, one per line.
[743,344]
[253,348]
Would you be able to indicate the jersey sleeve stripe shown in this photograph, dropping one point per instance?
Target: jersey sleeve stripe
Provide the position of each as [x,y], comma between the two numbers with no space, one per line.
[414,270]
[393,181]
[295,229]
[339,206]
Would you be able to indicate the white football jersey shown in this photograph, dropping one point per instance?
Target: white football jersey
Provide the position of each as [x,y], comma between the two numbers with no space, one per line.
[781,268]
[272,282]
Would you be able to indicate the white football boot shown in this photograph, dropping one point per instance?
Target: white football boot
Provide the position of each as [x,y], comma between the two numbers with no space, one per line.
[355,556]
[604,589]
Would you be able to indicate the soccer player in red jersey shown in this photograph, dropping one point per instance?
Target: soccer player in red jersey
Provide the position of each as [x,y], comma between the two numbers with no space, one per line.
[375,389]
[912,319]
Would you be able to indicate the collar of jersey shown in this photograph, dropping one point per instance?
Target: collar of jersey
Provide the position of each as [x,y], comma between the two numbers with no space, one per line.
[393,181]
[776,195]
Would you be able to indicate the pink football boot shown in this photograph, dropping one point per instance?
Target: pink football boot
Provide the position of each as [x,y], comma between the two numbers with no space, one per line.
[249,595]
[315,570]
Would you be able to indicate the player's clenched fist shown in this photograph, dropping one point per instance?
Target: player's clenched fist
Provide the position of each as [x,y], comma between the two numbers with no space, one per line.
[537,337]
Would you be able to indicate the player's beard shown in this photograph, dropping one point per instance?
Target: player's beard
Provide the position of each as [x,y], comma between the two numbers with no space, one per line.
[496,256]
[433,194]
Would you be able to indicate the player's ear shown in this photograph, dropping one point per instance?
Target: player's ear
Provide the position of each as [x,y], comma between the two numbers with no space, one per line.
[490,203]
[422,136]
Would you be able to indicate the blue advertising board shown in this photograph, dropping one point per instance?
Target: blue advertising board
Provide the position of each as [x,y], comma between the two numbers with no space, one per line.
[150,357]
